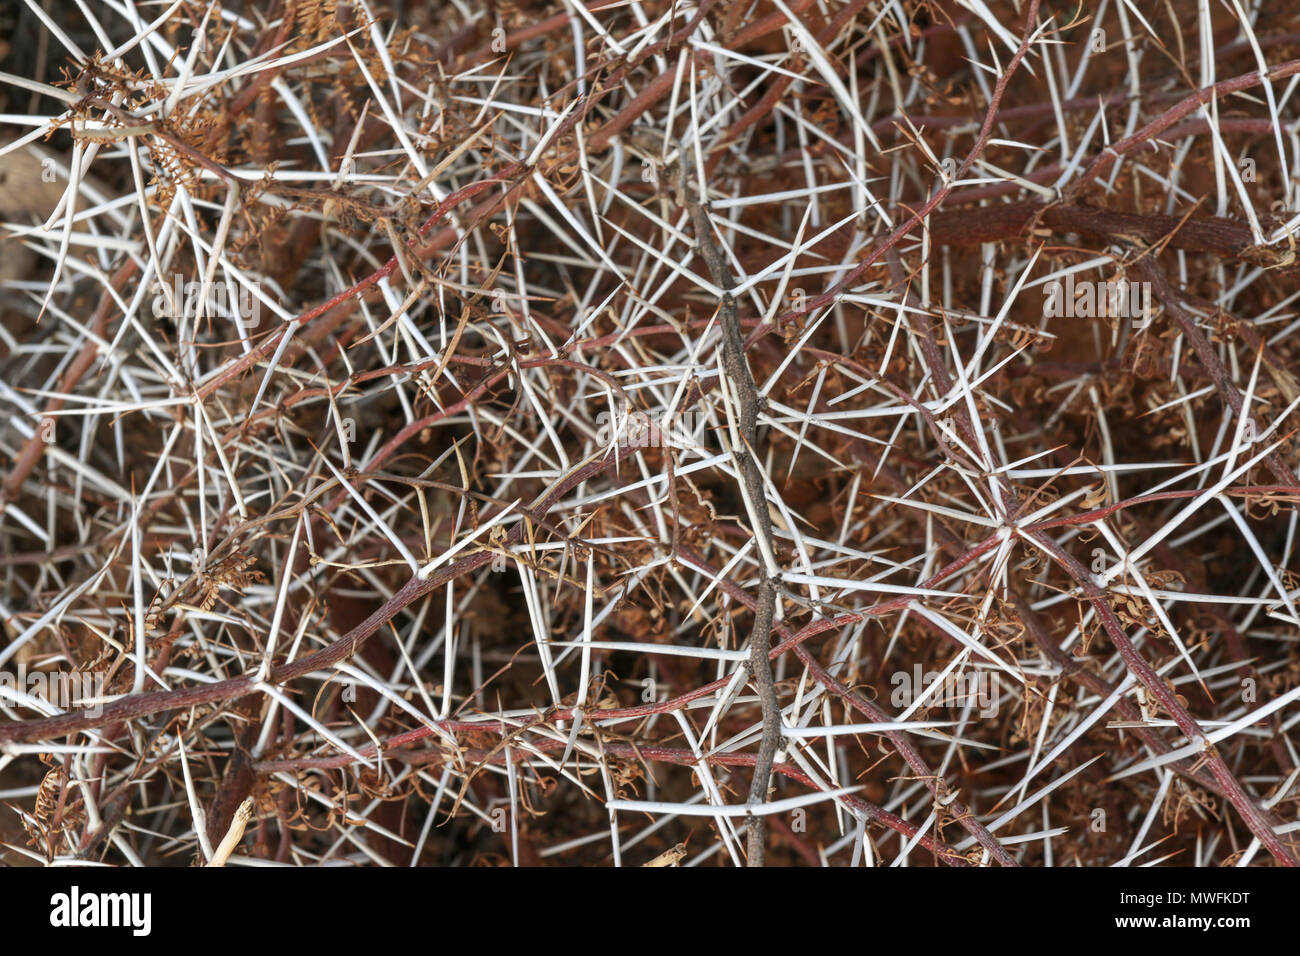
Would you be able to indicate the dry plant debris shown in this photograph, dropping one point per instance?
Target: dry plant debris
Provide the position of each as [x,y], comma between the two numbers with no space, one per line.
[790,432]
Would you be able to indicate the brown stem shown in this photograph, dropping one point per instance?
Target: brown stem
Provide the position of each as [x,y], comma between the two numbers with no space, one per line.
[745,394]
[1256,819]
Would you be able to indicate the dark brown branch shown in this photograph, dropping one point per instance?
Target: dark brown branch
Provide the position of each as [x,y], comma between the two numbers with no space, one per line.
[747,401]
[1003,221]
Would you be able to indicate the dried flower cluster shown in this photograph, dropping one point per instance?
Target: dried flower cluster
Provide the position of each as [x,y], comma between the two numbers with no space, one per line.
[801,432]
